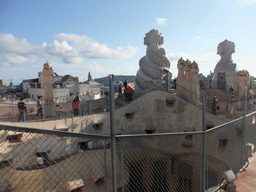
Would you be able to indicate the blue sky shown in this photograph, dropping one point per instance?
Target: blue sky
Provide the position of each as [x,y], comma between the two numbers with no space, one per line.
[106,37]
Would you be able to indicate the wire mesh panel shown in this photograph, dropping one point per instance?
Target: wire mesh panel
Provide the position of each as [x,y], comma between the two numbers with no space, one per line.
[32,161]
[249,134]
[224,149]
[161,163]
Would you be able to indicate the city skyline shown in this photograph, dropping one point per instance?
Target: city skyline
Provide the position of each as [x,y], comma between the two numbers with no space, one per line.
[107,37]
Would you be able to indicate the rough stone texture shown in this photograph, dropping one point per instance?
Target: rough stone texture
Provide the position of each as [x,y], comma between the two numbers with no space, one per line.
[243,82]
[48,90]
[151,112]
[187,81]
[154,67]
[225,65]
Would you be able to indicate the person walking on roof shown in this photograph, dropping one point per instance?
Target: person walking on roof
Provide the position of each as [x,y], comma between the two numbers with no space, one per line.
[76,105]
[39,107]
[22,109]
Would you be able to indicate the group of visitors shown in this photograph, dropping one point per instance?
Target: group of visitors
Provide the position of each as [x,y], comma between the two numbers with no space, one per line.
[128,91]
[22,109]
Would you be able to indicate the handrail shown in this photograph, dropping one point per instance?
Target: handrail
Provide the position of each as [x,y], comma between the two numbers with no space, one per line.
[51,132]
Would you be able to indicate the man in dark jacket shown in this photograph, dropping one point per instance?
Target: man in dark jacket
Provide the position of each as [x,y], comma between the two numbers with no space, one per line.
[22,109]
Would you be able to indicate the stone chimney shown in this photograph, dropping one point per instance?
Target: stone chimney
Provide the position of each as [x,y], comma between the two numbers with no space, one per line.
[243,83]
[48,90]
[187,81]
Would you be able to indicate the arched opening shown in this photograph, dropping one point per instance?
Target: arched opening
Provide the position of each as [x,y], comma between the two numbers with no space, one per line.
[185,176]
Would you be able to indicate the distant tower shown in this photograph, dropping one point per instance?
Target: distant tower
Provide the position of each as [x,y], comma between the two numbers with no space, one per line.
[90,77]
[243,83]
[11,85]
[48,90]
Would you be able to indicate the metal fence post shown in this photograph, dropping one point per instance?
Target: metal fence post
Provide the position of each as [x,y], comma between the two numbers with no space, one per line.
[12,109]
[243,131]
[204,143]
[112,132]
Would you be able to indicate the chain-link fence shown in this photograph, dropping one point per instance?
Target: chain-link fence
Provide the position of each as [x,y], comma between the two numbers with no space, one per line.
[47,160]
[34,159]
[168,162]
[11,113]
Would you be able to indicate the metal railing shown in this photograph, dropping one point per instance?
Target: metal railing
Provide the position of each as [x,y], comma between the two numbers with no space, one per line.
[9,112]
[34,159]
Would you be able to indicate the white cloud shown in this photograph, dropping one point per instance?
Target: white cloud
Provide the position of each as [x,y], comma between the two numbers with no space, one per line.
[89,48]
[73,60]
[95,67]
[161,21]
[70,48]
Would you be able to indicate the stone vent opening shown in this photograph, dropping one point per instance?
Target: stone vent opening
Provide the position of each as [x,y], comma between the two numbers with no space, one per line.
[6,163]
[239,131]
[98,126]
[188,137]
[223,143]
[42,157]
[83,146]
[99,181]
[223,139]
[14,138]
[209,126]
[77,190]
[150,131]
[129,115]
[170,102]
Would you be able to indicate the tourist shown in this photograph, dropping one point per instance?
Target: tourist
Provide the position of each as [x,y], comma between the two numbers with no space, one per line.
[125,83]
[120,92]
[22,109]
[75,105]
[215,105]
[39,107]
[128,93]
